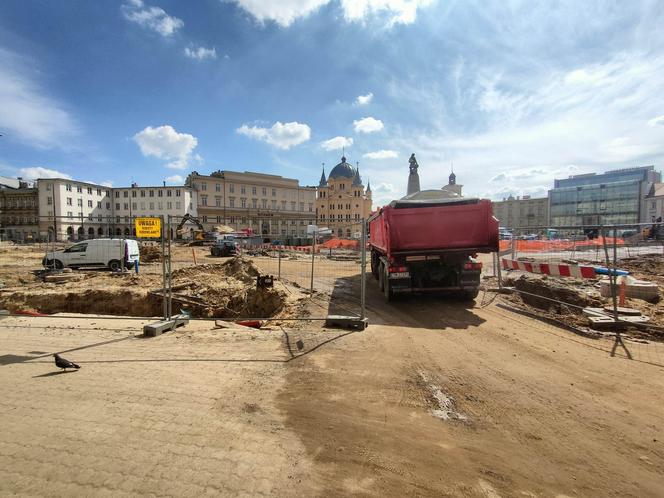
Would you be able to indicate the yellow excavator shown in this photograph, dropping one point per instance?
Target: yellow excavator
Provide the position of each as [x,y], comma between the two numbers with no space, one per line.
[201,237]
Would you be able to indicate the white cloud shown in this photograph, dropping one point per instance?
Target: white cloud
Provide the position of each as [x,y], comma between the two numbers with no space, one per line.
[36,172]
[27,113]
[284,12]
[154,18]
[107,183]
[364,99]
[658,121]
[381,154]
[164,142]
[337,143]
[393,11]
[367,125]
[200,53]
[281,135]
[176,179]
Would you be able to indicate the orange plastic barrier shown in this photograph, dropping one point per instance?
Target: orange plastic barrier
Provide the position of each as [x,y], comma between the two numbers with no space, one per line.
[558,245]
[341,244]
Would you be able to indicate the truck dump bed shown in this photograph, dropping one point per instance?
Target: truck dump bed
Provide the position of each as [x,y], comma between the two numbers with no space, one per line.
[429,227]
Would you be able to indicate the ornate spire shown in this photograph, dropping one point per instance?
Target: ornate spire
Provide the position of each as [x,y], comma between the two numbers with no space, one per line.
[323,180]
[357,179]
[368,185]
[452,179]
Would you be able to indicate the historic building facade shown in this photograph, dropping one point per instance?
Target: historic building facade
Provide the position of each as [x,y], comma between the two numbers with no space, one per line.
[342,200]
[19,211]
[270,205]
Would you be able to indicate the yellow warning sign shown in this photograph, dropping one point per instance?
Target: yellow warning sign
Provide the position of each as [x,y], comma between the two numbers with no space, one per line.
[148,227]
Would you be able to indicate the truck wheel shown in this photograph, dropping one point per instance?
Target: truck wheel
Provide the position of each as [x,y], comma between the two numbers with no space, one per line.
[381,278]
[470,295]
[114,265]
[386,286]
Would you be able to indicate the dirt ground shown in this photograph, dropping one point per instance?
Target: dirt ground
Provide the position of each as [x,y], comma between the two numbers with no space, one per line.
[435,398]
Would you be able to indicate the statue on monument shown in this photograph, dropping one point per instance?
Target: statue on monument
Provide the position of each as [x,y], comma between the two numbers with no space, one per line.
[413,177]
[413,164]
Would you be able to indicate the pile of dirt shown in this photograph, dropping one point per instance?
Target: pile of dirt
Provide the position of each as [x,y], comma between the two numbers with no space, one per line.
[548,293]
[649,267]
[150,253]
[225,290]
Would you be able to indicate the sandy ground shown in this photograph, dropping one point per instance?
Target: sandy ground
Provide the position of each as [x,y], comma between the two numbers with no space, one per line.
[434,399]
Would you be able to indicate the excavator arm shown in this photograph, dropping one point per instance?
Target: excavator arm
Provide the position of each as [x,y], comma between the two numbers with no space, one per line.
[189,218]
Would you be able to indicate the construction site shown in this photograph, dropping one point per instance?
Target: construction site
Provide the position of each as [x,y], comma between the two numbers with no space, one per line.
[270,382]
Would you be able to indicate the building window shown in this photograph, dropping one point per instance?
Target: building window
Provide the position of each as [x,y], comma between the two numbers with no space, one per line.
[142,206]
[160,206]
[264,190]
[177,193]
[79,189]
[117,194]
[89,204]
[243,189]
[49,201]
[204,217]
[231,201]
[169,205]
[243,202]
[49,186]
[274,192]
[217,201]
[177,204]
[117,206]
[264,203]
[274,204]
[133,193]
[283,205]
[204,186]
[253,190]
[254,203]
[98,191]
[169,193]
[151,193]
[134,206]
[68,187]
[218,217]
[204,200]
[142,193]
[125,194]
[311,207]
[108,205]
[231,188]
[151,206]
[217,187]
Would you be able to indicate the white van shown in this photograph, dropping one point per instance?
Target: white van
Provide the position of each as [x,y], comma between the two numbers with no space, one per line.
[95,252]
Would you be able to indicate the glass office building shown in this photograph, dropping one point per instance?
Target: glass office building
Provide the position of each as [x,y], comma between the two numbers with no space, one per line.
[611,198]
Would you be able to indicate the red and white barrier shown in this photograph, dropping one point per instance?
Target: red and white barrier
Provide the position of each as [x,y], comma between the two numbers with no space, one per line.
[555,270]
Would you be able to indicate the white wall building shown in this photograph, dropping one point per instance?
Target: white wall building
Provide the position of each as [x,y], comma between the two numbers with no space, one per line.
[135,201]
[76,210]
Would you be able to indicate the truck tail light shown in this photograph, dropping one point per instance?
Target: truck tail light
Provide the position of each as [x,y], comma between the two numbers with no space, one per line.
[472,266]
[397,269]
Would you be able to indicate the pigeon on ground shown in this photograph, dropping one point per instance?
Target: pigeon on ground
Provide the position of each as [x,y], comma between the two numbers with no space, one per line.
[60,362]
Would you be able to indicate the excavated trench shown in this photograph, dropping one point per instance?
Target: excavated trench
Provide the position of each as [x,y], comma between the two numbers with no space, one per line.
[225,290]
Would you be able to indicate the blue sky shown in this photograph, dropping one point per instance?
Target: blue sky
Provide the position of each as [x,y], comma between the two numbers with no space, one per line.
[514,94]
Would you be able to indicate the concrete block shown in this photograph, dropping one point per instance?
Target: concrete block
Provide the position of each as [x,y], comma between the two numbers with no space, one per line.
[340,321]
[636,289]
[158,328]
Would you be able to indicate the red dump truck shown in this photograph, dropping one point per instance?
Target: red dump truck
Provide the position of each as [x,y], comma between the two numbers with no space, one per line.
[431,245]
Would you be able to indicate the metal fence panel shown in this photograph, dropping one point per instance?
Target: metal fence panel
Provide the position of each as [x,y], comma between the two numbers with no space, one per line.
[93,265]
[305,261]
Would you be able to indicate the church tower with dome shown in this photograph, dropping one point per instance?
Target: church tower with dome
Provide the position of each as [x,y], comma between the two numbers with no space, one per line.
[342,201]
